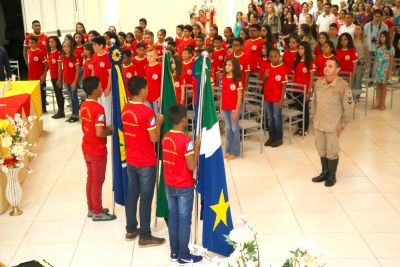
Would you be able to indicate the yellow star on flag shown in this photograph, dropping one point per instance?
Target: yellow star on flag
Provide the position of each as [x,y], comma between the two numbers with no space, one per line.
[220,210]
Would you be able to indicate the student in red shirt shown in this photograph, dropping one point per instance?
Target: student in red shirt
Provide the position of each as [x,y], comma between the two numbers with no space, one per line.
[55,67]
[80,28]
[142,131]
[129,39]
[153,75]
[138,32]
[140,60]
[199,43]
[122,41]
[252,46]
[180,158]
[304,69]
[264,60]
[219,55]
[274,91]
[179,80]
[37,67]
[187,39]
[231,100]
[328,51]
[161,34]
[88,53]
[78,45]
[102,69]
[238,53]
[187,68]
[323,37]
[347,55]
[149,39]
[128,68]
[70,75]
[42,40]
[94,147]
[213,32]
[179,34]
[289,56]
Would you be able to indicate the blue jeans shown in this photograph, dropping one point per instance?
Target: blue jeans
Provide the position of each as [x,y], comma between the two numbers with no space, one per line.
[74,99]
[274,114]
[359,74]
[232,134]
[180,205]
[141,182]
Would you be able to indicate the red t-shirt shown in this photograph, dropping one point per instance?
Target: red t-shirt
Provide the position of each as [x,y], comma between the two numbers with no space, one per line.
[138,119]
[153,77]
[129,71]
[54,58]
[36,60]
[273,85]
[176,147]
[179,86]
[69,68]
[252,49]
[87,67]
[262,65]
[185,42]
[178,41]
[140,63]
[347,57]
[230,92]
[43,40]
[316,51]
[209,41]
[92,116]
[159,48]
[79,55]
[101,67]
[219,59]
[126,47]
[320,63]
[302,74]
[244,64]
[133,46]
[187,69]
[288,58]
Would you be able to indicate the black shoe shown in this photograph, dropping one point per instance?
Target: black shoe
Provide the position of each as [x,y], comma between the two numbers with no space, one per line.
[58,115]
[268,142]
[332,167]
[324,174]
[132,236]
[74,119]
[277,142]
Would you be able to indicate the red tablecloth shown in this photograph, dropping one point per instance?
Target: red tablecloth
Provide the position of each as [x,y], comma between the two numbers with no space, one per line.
[11,105]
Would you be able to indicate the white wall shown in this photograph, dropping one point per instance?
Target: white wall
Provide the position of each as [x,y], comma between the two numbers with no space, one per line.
[124,14]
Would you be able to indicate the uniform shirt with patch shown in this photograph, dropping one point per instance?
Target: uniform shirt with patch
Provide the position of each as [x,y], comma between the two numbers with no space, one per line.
[36,60]
[101,68]
[302,74]
[176,147]
[87,67]
[78,53]
[187,69]
[347,57]
[230,92]
[244,65]
[43,40]
[69,68]
[128,71]
[288,58]
[140,64]
[273,85]
[138,119]
[252,49]
[219,58]
[262,66]
[53,60]
[153,77]
[160,49]
[92,116]
[184,43]
[180,85]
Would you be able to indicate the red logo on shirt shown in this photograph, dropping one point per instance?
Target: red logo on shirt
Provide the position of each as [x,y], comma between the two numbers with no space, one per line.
[90,66]
[176,84]
[36,59]
[232,87]
[155,76]
[221,58]
[128,75]
[278,78]
[102,64]
[53,61]
[347,57]
[189,72]
[44,43]
[305,70]
[70,65]
[254,48]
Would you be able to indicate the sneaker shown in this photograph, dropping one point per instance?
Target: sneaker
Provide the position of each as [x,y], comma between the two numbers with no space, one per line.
[102,217]
[90,213]
[151,242]
[174,257]
[189,260]
[132,236]
[277,142]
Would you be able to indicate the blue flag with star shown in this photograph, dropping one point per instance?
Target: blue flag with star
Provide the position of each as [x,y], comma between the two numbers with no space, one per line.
[216,213]
[119,99]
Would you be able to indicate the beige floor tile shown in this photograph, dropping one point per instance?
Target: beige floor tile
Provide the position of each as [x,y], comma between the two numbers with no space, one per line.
[12,233]
[363,202]
[7,253]
[264,186]
[383,245]
[59,210]
[376,221]
[289,170]
[348,170]
[394,199]
[381,169]
[353,185]
[352,263]
[264,203]
[390,262]
[314,202]
[386,184]
[275,248]
[302,185]
[324,222]
[274,222]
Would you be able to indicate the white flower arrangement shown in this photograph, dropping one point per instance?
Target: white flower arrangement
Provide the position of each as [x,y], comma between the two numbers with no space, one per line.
[305,256]
[13,145]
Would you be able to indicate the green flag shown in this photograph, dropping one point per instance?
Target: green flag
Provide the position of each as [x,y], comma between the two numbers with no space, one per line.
[168,98]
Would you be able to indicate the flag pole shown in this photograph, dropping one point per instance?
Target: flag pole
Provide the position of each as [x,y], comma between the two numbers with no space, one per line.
[198,133]
[158,173]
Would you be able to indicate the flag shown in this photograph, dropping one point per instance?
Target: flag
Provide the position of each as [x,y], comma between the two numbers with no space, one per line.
[216,214]
[120,175]
[168,98]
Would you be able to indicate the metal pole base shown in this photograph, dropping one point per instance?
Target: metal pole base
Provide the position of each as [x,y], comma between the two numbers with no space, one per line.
[15,211]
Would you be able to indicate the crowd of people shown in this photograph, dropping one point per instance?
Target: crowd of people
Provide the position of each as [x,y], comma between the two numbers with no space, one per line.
[275,42]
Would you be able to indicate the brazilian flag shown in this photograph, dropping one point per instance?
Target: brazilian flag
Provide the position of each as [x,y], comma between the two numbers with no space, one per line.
[167,99]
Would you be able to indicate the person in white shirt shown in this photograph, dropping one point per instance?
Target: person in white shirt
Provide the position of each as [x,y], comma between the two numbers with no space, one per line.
[349,26]
[302,16]
[319,10]
[326,19]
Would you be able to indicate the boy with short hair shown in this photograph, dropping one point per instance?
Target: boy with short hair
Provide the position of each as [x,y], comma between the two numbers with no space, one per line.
[237,48]
[179,34]
[140,60]
[153,73]
[142,131]
[187,39]
[333,33]
[94,147]
[138,33]
[128,68]
[187,65]
[102,69]
[252,46]
[149,39]
[180,158]
[37,67]
[219,54]
[200,42]
[274,91]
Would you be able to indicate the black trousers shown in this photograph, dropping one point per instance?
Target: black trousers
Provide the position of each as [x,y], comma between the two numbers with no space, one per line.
[59,95]
[299,106]
[43,96]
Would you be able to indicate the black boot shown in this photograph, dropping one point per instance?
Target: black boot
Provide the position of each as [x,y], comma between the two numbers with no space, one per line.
[324,174]
[332,166]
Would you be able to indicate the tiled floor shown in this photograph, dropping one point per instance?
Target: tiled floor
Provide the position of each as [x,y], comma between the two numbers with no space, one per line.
[355,223]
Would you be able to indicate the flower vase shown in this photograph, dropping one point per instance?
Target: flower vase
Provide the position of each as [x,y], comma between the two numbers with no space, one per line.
[13,191]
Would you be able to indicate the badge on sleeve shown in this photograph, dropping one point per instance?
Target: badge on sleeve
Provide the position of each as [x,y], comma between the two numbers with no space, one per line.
[349,95]
[153,121]
[189,146]
[101,117]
